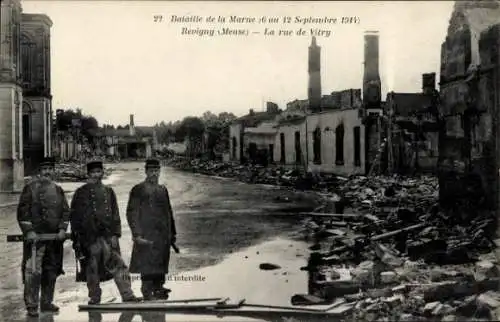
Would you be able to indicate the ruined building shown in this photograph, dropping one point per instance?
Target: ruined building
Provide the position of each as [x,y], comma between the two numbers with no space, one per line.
[252,136]
[25,99]
[401,133]
[134,142]
[412,128]
[469,87]
[323,133]
[325,137]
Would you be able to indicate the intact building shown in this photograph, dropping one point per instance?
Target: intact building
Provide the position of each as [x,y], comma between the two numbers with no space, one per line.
[25,97]
[11,97]
[37,98]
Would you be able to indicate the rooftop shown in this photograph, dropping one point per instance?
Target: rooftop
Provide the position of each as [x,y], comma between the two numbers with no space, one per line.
[254,119]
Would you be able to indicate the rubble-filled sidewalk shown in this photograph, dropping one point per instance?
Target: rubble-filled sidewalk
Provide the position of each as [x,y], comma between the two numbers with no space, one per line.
[275,175]
[399,257]
[395,255]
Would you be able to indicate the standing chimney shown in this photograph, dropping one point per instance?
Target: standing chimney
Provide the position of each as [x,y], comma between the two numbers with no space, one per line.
[314,88]
[131,125]
[428,83]
[371,78]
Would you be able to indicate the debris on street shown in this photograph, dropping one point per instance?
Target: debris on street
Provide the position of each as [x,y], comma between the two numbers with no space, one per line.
[74,172]
[398,257]
[274,175]
[383,249]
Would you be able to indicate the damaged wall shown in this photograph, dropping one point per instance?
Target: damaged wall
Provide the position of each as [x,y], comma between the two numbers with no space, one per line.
[468,176]
[290,153]
[334,157]
[235,140]
[258,142]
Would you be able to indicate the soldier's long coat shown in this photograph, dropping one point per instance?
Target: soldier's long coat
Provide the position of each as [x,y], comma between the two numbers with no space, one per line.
[94,213]
[150,216]
[44,209]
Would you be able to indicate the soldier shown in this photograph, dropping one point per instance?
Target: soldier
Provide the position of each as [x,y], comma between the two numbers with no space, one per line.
[96,227]
[151,221]
[42,209]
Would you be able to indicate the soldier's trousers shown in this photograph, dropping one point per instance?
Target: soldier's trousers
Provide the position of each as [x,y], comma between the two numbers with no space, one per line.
[101,252]
[43,274]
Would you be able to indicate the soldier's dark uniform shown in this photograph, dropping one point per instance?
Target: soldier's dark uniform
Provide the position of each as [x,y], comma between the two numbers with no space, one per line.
[150,217]
[42,209]
[95,220]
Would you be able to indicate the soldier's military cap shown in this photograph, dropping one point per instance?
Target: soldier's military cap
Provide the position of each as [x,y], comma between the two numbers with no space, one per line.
[94,165]
[48,162]
[152,163]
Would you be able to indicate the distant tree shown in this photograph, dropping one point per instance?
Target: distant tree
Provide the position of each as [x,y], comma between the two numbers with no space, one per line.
[209,117]
[218,132]
[191,128]
[216,127]
[75,122]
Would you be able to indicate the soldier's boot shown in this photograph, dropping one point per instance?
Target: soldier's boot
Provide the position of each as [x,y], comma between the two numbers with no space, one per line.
[48,288]
[94,294]
[95,316]
[147,290]
[162,294]
[31,294]
[159,291]
[122,281]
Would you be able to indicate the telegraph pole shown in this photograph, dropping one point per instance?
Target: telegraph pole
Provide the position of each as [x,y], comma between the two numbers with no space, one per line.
[306,163]
[389,144]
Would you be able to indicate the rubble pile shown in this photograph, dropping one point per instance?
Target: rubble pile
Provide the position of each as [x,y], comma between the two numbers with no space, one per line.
[73,172]
[384,193]
[275,175]
[383,250]
[399,257]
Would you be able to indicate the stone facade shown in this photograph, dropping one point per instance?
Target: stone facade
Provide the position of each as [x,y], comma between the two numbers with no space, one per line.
[469,146]
[11,98]
[35,74]
[25,99]
[290,141]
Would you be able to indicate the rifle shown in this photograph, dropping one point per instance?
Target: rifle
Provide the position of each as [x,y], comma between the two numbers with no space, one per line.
[41,237]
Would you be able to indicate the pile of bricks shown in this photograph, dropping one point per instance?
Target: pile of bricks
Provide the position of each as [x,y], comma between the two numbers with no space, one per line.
[398,257]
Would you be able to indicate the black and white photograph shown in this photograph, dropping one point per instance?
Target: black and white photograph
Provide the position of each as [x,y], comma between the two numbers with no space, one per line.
[249,160]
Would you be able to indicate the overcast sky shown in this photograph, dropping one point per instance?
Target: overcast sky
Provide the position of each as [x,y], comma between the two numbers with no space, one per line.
[111,59]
